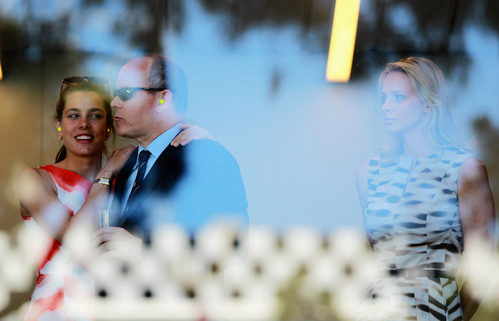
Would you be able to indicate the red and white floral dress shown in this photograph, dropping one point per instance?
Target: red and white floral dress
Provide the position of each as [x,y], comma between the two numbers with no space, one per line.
[61,284]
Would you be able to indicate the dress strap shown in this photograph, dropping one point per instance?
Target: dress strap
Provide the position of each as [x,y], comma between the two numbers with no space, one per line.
[66,178]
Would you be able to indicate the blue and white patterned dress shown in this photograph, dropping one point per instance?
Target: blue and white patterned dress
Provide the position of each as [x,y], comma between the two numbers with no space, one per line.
[412,220]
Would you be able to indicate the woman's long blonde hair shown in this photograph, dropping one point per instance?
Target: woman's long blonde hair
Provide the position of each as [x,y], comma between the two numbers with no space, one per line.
[430,86]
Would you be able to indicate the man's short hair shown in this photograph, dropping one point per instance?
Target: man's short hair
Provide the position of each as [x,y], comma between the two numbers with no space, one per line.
[164,73]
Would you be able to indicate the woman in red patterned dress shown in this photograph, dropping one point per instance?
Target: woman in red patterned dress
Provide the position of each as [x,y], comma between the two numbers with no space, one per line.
[56,198]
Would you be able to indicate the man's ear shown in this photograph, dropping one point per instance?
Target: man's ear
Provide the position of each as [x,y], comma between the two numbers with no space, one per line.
[165,98]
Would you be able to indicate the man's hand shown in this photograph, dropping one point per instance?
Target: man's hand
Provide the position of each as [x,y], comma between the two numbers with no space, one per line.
[117,242]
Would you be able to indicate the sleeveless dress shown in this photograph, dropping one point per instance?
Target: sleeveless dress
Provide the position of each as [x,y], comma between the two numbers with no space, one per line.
[412,220]
[60,283]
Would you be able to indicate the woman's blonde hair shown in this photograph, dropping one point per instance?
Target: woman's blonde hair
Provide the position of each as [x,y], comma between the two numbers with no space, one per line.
[430,86]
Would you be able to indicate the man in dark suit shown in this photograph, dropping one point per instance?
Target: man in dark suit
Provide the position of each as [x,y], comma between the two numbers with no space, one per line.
[188,185]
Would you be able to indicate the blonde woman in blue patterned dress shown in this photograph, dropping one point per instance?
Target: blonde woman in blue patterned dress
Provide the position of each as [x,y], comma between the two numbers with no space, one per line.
[424,197]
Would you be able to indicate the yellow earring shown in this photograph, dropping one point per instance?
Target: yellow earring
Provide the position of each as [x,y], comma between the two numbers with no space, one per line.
[59,129]
[161,101]
[109,130]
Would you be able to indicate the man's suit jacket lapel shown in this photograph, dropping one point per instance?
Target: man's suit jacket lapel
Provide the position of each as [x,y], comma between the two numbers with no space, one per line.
[120,183]
[166,171]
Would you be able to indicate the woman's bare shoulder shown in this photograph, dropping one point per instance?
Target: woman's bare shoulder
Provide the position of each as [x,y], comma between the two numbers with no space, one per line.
[30,175]
[361,182]
[34,183]
[33,175]
[363,168]
[472,170]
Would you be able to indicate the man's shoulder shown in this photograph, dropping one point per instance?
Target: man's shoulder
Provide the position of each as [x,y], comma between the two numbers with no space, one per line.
[205,145]
[207,150]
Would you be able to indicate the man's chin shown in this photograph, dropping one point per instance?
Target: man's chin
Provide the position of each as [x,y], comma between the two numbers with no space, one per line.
[123,132]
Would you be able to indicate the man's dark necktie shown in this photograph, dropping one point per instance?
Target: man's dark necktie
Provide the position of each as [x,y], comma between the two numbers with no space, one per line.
[143,157]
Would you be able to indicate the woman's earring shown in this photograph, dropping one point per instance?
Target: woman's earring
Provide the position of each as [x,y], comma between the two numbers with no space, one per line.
[161,101]
[109,130]
[59,129]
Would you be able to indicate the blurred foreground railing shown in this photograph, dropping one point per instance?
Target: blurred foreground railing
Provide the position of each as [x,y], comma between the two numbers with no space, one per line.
[227,274]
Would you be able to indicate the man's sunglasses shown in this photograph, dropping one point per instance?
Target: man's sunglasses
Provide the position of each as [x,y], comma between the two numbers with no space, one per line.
[90,80]
[127,93]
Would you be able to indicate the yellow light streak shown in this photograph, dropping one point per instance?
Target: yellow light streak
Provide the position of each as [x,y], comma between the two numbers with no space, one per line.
[1,72]
[342,45]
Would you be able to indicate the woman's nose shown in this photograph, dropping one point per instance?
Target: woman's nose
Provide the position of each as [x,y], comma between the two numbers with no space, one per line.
[84,122]
[386,106]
